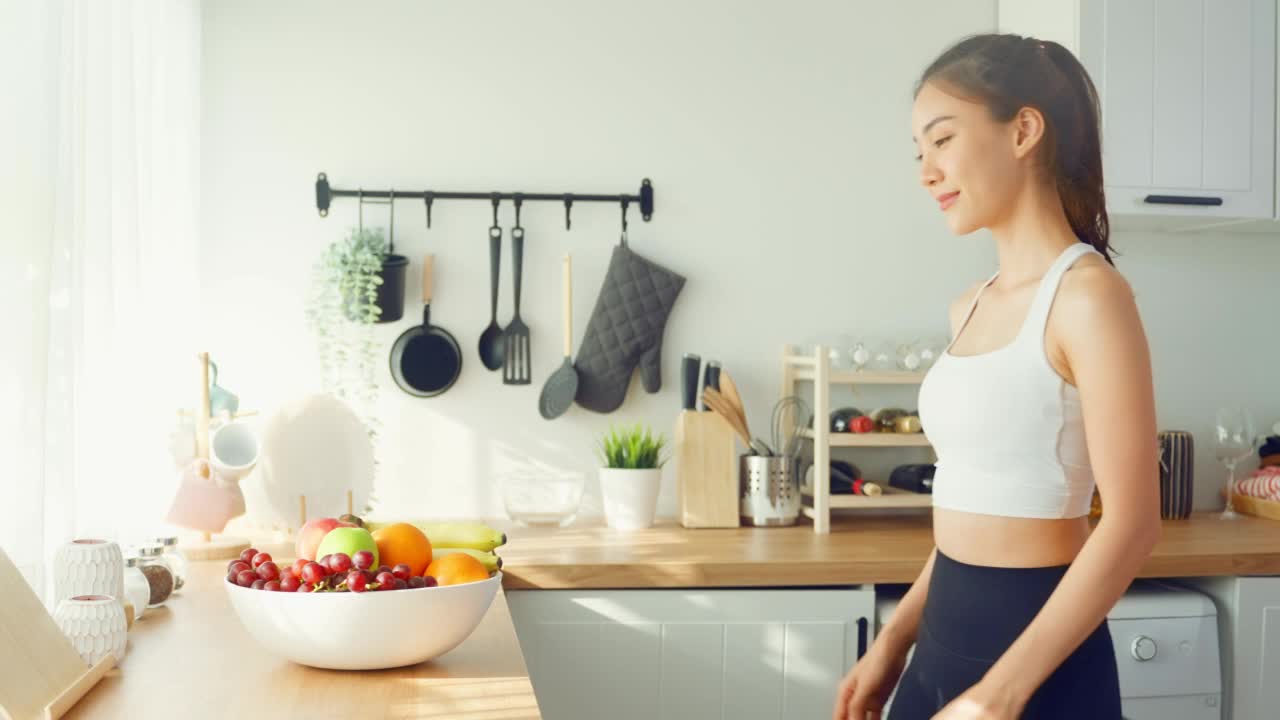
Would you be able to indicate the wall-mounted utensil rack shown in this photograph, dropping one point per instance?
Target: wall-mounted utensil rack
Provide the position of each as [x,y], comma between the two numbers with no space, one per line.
[325,194]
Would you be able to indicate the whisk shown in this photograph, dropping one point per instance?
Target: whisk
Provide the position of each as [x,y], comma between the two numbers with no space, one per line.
[797,408]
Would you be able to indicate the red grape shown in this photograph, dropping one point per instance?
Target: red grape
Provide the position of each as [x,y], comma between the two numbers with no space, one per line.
[382,569]
[324,560]
[237,565]
[339,562]
[247,556]
[297,567]
[290,583]
[362,560]
[312,573]
[245,578]
[259,559]
[258,584]
[231,578]
[430,580]
[356,581]
[268,570]
[272,586]
[403,571]
[417,581]
[401,584]
[386,580]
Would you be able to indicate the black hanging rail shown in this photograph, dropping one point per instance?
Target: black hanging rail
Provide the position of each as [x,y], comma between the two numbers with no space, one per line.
[325,195]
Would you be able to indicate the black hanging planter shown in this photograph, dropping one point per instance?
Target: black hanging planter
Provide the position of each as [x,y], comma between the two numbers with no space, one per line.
[390,298]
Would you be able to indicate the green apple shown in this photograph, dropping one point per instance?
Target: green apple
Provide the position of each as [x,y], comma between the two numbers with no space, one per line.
[348,540]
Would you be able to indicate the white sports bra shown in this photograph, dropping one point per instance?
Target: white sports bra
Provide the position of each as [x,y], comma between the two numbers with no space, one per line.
[1006,427]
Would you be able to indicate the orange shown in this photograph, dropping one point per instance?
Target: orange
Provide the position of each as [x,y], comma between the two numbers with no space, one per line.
[403,543]
[457,569]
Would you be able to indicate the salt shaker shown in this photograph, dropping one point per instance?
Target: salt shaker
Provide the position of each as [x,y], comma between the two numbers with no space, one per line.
[136,587]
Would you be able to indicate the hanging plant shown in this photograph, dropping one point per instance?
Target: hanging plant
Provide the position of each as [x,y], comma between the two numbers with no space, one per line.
[341,315]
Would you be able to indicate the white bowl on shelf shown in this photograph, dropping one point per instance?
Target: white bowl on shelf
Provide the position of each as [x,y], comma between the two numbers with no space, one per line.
[364,631]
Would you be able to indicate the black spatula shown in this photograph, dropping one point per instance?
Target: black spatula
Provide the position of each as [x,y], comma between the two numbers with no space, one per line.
[517,368]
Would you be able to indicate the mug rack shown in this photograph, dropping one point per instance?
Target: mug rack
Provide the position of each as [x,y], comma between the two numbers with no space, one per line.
[325,194]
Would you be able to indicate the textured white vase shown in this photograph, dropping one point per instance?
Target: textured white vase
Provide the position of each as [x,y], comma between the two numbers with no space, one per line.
[630,496]
[88,567]
[95,625]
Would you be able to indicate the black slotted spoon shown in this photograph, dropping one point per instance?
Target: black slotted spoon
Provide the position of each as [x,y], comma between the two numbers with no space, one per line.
[517,368]
[562,386]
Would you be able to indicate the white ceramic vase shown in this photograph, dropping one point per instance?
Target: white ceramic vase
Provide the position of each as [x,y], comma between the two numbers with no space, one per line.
[95,625]
[630,496]
[88,567]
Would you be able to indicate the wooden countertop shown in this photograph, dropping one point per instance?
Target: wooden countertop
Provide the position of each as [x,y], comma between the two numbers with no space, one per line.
[193,659]
[858,550]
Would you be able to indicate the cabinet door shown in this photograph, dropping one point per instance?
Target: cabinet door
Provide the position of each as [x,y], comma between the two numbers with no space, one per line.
[690,653]
[1257,654]
[1187,89]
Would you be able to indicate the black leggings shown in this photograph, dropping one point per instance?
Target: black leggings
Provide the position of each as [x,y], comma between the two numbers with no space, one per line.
[972,615]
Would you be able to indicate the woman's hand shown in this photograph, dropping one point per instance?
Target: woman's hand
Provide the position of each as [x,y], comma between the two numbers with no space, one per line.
[981,702]
[870,682]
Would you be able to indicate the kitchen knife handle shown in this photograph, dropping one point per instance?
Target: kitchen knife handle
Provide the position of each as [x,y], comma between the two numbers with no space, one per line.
[689,380]
[711,377]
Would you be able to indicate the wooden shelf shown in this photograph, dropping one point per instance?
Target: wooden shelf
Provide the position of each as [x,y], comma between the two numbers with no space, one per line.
[876,439]
[892,498]
[865,377]
[813,365]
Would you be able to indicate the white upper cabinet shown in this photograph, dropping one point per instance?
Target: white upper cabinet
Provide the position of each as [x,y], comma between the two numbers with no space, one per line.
[1187,89]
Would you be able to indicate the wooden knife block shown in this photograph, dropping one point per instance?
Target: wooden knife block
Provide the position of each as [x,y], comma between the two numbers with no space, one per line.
[706,455]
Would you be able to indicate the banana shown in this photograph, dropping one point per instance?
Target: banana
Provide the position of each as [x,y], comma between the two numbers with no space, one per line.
[490,560]
[470,535]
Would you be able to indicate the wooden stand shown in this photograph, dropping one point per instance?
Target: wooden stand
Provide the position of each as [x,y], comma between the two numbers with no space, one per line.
[207,547]
[818,502]
[706,458]
[41,674]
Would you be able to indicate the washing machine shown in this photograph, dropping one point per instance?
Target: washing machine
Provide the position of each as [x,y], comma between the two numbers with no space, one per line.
[1166,643]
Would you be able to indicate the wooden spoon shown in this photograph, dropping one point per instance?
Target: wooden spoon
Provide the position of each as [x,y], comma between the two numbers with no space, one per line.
[721,407]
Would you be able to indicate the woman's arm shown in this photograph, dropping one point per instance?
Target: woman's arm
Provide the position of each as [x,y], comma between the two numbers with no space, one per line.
[900,632]
[1105,347]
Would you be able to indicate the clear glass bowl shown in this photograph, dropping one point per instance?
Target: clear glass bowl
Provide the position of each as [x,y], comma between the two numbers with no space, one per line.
[541,497]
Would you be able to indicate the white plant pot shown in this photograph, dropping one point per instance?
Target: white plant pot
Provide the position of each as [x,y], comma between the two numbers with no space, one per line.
[630,496]
[95,625]
[88,567]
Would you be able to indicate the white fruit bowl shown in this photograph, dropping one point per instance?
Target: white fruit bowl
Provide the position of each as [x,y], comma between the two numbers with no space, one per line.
[364,631]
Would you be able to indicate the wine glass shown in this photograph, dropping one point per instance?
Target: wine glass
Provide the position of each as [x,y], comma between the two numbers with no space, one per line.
[1234,439]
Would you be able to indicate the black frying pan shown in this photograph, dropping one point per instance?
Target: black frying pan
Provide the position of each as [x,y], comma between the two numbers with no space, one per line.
[425,361]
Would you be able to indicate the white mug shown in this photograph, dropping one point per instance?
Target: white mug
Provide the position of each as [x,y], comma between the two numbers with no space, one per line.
[233,450]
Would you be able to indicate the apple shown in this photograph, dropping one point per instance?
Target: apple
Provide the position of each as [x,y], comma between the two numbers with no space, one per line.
[349,540]
[313,533]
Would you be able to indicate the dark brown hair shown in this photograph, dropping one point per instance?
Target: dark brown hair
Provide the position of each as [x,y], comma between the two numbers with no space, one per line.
[1010,72]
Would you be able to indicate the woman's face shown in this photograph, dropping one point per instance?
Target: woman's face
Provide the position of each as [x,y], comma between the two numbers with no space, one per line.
[969,162]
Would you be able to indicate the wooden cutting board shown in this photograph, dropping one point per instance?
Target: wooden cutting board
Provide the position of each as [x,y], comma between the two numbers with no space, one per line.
[41,674]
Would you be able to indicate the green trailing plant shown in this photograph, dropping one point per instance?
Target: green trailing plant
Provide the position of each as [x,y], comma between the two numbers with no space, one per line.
[632,448]
[341,316]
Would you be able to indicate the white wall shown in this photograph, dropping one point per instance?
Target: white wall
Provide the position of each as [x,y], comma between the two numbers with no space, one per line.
[777,138]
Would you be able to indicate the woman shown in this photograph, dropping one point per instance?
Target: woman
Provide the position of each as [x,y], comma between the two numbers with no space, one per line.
[1044,392]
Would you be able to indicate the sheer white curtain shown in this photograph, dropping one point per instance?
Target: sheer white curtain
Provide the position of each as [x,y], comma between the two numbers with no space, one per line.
[99,277]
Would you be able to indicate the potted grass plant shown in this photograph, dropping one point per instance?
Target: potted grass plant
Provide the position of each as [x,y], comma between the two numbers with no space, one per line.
[631,476]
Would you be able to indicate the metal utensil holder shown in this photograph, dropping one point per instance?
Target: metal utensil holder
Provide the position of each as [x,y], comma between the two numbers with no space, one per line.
[769,490]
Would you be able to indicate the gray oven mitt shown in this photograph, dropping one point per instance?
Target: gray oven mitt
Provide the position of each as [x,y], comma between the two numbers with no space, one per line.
[625,330]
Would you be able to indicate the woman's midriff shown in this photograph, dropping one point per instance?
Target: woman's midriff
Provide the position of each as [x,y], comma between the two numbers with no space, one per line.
[998,541]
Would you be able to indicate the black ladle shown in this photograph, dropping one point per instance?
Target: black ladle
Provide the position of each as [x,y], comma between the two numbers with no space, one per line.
[492,345]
